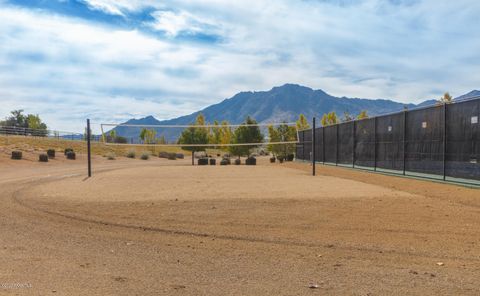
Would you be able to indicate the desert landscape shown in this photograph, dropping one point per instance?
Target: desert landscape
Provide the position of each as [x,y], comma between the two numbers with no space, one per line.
[162,227]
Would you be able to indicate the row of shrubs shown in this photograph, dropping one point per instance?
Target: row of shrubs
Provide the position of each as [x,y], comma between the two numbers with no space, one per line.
[146,155]
[281,159]
[44,157]
[226,161]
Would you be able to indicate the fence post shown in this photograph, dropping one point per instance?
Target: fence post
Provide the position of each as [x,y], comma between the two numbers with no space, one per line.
[88,149]
[375,144]
[336,145]
[404,141]
[444,140]
[313,147]
[354,144]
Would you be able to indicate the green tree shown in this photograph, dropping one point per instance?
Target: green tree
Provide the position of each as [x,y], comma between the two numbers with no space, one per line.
[113,136]
[329,119]
[283,133]
[363,115]
[302,123]
[194,135]
[148,136]
[446,99]
[246,134]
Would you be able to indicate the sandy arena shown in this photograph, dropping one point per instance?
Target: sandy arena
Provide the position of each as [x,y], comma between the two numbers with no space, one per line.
[161,227]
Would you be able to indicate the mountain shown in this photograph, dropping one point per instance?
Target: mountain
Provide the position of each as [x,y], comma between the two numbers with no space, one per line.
[283,103]
[470,95]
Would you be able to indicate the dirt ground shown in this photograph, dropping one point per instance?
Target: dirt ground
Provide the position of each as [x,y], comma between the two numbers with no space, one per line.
[162,227]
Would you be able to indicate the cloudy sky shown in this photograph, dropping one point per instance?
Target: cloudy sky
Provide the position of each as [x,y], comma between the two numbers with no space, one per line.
[111,60]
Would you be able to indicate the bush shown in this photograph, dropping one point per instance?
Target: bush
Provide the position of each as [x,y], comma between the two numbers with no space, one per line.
[172,156]
[180,156]
[43,158]
[131,154]
[203,161]
[251,161]
[51,153]
[225,161]
[163,154]
[272,159]
[237,161]
[145,156]
[71,155]
[110,156]
[67,150]
[290,157]
[16,154]
[213,161]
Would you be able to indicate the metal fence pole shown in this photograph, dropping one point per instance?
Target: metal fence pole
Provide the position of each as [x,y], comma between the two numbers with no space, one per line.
[336,145]
[404,141]
[313,147]
[89,149]
[303,145]
[353,148]
[444,140]
[375,143]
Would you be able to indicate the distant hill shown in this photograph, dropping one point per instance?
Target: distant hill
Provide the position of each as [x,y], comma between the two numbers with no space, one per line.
[282,103]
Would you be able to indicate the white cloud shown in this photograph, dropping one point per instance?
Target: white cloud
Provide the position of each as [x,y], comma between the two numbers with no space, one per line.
[408,50]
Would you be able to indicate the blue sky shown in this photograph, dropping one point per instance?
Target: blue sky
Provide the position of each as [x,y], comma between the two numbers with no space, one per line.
[111,60]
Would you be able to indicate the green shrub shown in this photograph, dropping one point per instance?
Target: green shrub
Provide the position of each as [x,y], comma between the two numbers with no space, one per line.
[16,154]
[51,153]
[251,161]
[145,156]
[43,158]
[71,155]
[110,156]
[203,161]
[67,150]
[131,154]
[163,154]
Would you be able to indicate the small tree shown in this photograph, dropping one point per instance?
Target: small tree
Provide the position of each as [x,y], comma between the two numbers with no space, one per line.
[302,123]
[113,136]
[446,99]
[246,134]
[329,119]
[195,134]
[283,133]
[363,115]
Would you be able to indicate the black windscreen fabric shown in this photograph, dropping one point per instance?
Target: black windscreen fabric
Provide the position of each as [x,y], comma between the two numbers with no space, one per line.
[424,149]
[319,144]
[365,142]
[330,143]
[389,141]
[463,140]
[345,143]
[307,149]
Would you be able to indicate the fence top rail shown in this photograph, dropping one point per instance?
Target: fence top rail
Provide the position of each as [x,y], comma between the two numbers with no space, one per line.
[469,99]
[42,131]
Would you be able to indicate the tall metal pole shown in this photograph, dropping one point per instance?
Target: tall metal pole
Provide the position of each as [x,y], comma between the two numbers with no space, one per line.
[375,143]
[353,148]
[336,145]
[404,141]
[313,147]
[444,141]
[89,149]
